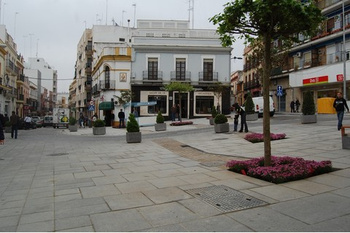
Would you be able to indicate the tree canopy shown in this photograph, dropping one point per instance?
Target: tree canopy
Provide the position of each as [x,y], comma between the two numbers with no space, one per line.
[265,21]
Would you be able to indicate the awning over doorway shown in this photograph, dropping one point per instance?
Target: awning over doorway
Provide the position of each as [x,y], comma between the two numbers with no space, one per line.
[106,106]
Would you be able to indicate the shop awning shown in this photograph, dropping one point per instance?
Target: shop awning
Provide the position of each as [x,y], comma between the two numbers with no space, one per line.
[106,106]
[138,104]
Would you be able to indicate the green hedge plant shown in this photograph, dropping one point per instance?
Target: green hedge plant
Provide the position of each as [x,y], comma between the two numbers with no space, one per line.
[99,123]
[72,121]
[160,118]
[132,125]
[214,113]
[220,119]
[249,104]
[308,107]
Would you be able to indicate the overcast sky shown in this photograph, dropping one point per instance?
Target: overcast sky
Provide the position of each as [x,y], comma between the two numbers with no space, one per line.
[55,26]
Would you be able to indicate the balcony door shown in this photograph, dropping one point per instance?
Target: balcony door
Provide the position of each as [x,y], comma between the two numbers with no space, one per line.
[152,68]
[107,78]
[180,69]
[208,69]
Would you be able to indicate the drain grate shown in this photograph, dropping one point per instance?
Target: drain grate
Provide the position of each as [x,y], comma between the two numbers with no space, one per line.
[213,163]
[57,154]
[219,139]
[225,198]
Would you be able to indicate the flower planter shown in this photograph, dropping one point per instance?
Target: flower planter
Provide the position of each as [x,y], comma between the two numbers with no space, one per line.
[8,129]
[73,128]
[308,119]
[99,130]
[160,126]
[133,137]
[222,128]
[252,117]
[211,121]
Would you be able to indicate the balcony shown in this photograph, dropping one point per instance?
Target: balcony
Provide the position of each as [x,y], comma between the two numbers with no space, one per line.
[208,77]
[251,85]
[107,85]
[20,98]
[88,49]
[20,79]
[156,76]
[184,76]
[322,4]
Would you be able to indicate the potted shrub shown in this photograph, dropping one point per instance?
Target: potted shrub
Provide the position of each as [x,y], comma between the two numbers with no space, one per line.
[133,134]
[72,125]
[7,127]
[213,115]
[160,126]
[308,109]
[221,124]
[99,127]
[250,109]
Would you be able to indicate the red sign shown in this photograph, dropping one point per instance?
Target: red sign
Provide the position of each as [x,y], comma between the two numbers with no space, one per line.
[316,80]
[340,78]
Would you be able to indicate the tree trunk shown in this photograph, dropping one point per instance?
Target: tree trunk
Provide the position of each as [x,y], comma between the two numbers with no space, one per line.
[180,107]
[266,85]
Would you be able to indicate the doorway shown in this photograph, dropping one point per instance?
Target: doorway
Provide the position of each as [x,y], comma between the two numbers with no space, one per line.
[183,104]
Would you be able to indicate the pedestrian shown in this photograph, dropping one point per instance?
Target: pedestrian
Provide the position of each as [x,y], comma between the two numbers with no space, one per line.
[28,122]
[173,112]
[112,118]
[81,120]
[297,105]
[121,116]
[94,118]
[340,105]
[292,106]
[243,115]
[136,115]
[14,120]
[235,122]
[2,119]
[2,135]
[178,112]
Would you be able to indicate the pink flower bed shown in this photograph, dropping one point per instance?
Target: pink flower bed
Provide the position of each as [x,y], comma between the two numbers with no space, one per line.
[282,169]
[259,137]
[179,123]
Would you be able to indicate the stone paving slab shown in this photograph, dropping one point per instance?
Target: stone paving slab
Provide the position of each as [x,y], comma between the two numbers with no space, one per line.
[164,195]
[127,201]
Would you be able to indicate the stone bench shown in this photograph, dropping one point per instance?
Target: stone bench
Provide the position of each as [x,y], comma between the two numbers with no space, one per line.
[345,137]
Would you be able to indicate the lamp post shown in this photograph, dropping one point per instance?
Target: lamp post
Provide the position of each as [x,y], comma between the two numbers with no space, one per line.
[134,5]
[344,54]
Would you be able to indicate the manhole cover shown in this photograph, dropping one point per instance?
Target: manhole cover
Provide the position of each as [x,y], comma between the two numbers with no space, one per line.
[218,139]
[57,154]
[213,163]
[225,198]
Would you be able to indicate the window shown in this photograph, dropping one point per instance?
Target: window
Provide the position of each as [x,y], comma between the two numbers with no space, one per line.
[208,69]
[347,18]
[180,68]
[107,77]
[307,59]
[296,62]
[161,104]
[152,68]
[204,104]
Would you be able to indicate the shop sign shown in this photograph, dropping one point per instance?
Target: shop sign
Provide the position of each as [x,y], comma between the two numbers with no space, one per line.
[316,80]
[340,78]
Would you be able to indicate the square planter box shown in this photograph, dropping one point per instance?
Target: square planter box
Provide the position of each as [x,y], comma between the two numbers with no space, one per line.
[345,141]
[308,119]
[99,130]
[133,137]
[211,121]
[252,117]
[73,128]
[160,126]
[222,128]
[8,129]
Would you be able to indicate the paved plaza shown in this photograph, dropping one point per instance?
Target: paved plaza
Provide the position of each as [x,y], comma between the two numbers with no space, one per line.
[54,180]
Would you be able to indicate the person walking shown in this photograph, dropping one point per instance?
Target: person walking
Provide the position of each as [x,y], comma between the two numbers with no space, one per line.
[6,118]
[136,115]
[297,105]
[173,112]
[14,120]
[27,121]
[340,104]
[292,106]
[121,116]
[243,115]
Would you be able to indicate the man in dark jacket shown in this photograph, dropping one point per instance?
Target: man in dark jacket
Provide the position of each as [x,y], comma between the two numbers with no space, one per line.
[14,120]
[121,116]
[2,135]
[340,105]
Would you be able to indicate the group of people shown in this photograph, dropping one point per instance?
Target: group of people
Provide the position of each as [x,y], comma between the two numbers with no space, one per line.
[239,111]
[175,111]
[14,121]
[294,106]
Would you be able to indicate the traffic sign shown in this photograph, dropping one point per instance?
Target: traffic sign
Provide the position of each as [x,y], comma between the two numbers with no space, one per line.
[91,108]
[279,90]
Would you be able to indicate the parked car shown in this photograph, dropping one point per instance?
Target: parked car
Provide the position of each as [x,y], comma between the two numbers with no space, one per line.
[259,105]
[38,121]
[22,124]
[48,120]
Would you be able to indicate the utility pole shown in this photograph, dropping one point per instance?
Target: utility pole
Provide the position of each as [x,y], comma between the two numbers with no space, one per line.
[344,54]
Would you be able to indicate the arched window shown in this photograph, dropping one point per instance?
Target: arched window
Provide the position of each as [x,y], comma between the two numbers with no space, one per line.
[107,78]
